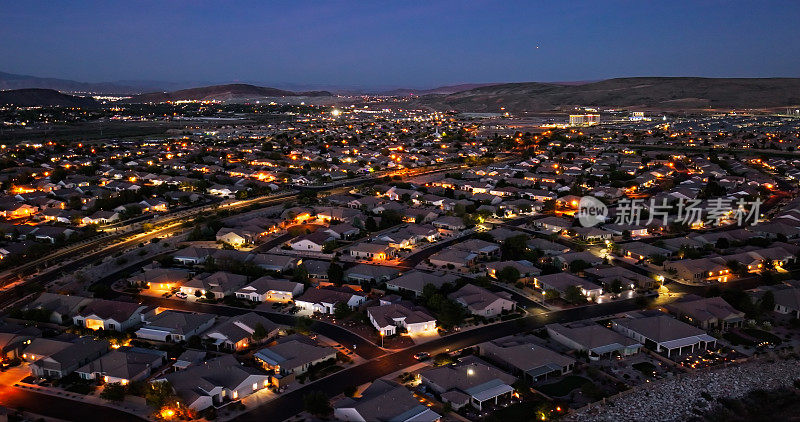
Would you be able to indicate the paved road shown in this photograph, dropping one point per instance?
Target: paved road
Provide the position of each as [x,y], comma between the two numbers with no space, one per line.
[364,348]
[291,403]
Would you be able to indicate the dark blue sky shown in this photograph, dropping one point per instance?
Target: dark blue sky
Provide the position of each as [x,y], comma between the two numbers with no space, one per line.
[398,43]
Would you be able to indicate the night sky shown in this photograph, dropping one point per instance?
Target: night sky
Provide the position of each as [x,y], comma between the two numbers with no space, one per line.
[398,43]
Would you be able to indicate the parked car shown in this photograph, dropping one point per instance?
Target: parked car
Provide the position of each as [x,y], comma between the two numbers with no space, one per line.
[422,356]
[181,295]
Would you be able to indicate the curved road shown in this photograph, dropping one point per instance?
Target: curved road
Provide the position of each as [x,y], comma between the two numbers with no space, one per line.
[364,347]
[291,403]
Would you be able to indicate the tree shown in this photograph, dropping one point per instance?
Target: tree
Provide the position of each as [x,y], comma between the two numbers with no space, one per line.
[767,302]
[336,274]
[341,310]
[317,403]
[616,286]
[259,332]
[210,295]
[578,265]
[300,275]
[508,275]
[573,294]
[113,391]
[370,224]
[159,394]
[451,313]
[329,246]
[514,247]
[198,294]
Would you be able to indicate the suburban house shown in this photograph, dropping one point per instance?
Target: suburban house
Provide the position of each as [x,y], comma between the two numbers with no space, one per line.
[371,251]
[191,256]
[123,365]
[590,234]
[787,301]
[384,401]
[415,281]
[312,242]
[552,224]
[662,333]
[566,259]
[342,231]
[220,284]
[215,382]
[547,247]
[101,314]
[268,289]
[101,217]
[273,262]
[527,271]
[175,326]
[481,248]
[370,273]
[57,359]
[235,236]
[14,338]
[480,301]
[471,383]
[324,300]
[561,282]
[161,278]
[594,339]
[399,239]
[387,318]
[291,356]
[699,269]
[642,251]
[61,307]
[525,358]
[607,274]
[189,358]
[707,313]
[449,223]
[455,258]
[317,270]
[238,332]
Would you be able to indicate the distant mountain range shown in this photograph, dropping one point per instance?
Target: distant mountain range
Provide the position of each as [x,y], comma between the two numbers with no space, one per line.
[663,93]
[12,81]
[646,92]
[33,97]
[228,92]
[449,89]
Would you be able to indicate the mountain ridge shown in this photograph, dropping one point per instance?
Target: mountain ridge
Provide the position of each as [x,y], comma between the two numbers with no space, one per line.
[641,92]
[33,97]
[225,92]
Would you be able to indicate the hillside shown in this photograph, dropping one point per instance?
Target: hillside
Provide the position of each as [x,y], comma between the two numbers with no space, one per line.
[44,97]
[222,93]
[448,89]
[10,81]
[654,93]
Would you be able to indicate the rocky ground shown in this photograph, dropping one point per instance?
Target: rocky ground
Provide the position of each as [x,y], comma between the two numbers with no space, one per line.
[675,399]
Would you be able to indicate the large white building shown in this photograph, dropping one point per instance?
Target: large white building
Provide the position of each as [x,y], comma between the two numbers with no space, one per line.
[584,119]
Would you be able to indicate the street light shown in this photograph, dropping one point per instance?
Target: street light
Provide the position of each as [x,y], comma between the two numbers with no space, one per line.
[381,334]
